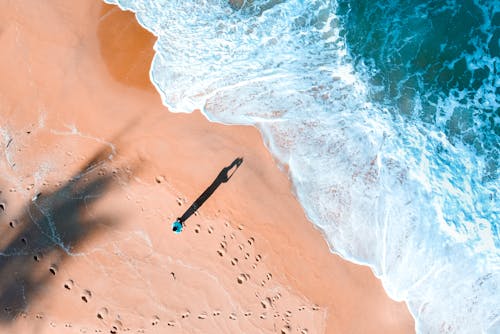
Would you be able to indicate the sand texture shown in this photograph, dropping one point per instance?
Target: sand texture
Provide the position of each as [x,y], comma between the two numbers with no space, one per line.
[93,170]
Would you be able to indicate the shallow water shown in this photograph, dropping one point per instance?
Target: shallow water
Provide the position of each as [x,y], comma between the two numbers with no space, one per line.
[387,114]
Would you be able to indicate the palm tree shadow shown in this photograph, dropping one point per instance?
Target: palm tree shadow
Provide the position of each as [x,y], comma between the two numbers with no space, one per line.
[50,226]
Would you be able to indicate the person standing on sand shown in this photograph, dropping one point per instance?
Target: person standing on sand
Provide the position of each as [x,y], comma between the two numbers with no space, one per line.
[223,177]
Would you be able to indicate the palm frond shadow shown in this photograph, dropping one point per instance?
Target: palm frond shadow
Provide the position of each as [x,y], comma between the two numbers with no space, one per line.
[50,226]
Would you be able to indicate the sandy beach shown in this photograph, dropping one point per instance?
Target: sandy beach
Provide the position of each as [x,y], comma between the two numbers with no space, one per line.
[93,171]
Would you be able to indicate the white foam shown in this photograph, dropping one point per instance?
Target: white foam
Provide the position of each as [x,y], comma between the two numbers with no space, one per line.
[373,183]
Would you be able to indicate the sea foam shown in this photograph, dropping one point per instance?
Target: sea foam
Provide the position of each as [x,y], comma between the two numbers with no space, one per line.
[388,191]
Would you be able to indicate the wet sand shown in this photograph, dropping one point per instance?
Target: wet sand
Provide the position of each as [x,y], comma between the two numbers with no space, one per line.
[94,169]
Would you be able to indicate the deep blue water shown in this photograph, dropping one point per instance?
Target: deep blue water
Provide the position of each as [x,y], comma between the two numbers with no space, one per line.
[386,112]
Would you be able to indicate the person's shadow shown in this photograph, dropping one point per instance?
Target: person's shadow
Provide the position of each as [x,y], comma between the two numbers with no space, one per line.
[224,175]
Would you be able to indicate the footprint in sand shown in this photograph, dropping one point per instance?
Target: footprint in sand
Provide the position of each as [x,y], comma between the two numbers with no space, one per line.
[68,285]
[263,315]
[13,223]
[247,314]
[251,241]
[185,315]
[197,229]
[232,316]
[216,313]
[86,295]
[242,278]
[37,257]
[286,330]
[221,252]
[171,324]
[2,207]
[266,303]
[102,313]
[202,316]
[258,258]
[210,230]
[159,179]
[155,321]
[53,269]
[234,261]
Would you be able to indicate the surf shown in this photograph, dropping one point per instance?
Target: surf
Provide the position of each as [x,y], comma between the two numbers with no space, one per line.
[385,165]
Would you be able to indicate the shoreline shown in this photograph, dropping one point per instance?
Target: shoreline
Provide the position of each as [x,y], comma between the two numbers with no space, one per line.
[89,92]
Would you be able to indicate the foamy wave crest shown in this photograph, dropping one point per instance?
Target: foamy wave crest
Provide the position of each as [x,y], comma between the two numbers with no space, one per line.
[389,193]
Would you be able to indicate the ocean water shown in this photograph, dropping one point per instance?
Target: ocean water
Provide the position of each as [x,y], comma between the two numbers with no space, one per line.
[387,114]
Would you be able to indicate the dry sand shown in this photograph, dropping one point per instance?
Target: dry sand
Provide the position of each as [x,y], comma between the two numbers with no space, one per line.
[93,169]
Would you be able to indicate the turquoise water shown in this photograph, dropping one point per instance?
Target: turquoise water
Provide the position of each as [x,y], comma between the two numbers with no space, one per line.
[386,113]
[437,61]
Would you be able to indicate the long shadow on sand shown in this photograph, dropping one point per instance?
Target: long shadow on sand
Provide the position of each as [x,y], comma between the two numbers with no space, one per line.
[224,175]
[37,242]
